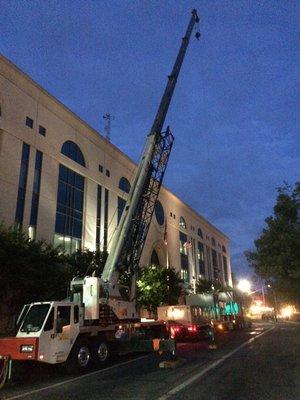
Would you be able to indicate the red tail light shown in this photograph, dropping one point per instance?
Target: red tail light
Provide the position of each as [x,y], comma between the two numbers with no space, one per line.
[174,330]
[192,328]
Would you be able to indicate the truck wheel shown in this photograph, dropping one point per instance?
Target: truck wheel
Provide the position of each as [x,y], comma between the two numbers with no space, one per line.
[101,353]
[80,359]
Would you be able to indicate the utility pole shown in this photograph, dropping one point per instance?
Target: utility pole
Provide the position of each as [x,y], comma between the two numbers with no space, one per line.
[107,127]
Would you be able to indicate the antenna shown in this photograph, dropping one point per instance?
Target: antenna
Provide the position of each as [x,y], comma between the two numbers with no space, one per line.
[107,127]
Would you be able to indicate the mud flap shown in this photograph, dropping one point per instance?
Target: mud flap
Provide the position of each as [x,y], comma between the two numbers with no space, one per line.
[4,369]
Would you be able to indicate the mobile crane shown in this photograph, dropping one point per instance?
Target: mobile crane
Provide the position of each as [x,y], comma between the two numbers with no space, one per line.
[100,316]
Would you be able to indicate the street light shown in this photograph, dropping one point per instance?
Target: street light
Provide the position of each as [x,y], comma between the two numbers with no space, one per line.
[244,286]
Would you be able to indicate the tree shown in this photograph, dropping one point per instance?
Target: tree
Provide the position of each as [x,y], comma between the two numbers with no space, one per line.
[157,286]
[207,286]
[85,262]
[30,271]
[276,257]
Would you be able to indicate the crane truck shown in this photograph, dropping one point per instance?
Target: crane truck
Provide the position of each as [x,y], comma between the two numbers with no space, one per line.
[100,315]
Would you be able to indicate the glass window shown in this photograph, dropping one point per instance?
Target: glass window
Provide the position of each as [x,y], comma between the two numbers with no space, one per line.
[225,266]
[105,233]
[64,315]
[98,221]
[42,130]
[29,122]
[159,213]
[72,151]
[121,206]
[223,249]
[154,258]
[108,173]
[124,185]
[22,184]
[182,223]
[35,318]
[200,256]
[50,321]
[100,168]
[200,234]
[182,243]
[36,188]
[215,263]
[69,211]
[213,241]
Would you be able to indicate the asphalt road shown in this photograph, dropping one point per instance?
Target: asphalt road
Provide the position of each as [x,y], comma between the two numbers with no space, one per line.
[262,363]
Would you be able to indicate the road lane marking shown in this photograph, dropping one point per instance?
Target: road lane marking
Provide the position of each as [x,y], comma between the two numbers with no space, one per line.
[209,367]
[20,396]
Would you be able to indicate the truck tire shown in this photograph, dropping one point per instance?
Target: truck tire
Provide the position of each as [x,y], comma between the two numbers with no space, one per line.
[80,358]
[101,352]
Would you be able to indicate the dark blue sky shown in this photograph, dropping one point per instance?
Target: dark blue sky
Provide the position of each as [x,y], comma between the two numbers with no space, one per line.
[235,112]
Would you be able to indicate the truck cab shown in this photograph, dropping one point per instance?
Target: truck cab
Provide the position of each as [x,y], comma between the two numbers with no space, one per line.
[46,332]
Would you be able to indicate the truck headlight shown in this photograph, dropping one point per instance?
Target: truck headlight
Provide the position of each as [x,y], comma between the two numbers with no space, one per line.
[27,348]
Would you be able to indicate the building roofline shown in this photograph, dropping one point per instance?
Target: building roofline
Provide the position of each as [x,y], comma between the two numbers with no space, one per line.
[99,135]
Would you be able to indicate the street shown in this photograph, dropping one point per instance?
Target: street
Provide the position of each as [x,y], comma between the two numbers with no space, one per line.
[261,363]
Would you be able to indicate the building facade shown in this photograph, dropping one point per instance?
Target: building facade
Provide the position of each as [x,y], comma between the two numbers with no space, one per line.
[62,182]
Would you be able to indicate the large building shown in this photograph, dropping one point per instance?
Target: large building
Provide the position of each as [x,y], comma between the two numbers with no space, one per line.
[62,182]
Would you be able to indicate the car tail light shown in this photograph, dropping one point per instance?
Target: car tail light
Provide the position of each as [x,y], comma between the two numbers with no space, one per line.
[192,328]
[174,330]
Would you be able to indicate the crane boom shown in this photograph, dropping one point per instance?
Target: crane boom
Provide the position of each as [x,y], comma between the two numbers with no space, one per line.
[129,238]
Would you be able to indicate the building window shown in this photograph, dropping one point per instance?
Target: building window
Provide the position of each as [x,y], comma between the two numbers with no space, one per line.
[159,213]
[98,220]
[171,215]
[69,212]
[225,266]
[213,242]
[223,249]
[182,243]
[200,234]
[36,192]
[29,122]
[121,206]
[22,185]
[107,172]
[200,256]
[124,185]
[42,130]
[183,257]
[154,258]
[106,199]
[0,111]
[174,216]
[182,223]
[215,263]
[72,151]
[100,168]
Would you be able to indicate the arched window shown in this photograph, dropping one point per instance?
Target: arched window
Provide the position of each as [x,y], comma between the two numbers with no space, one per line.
[223,249]
[124,185]
[200,232]
[182,223]
[159,213]
[154,258]
[71,150]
